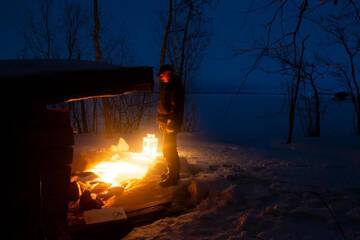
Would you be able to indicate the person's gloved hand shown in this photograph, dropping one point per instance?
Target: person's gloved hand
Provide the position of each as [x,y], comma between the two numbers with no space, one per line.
[162,127]
[170,126]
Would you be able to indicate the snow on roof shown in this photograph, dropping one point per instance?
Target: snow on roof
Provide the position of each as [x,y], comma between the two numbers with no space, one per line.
[53,81]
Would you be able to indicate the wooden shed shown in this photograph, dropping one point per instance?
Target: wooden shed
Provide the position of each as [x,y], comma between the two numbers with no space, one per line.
[41,140]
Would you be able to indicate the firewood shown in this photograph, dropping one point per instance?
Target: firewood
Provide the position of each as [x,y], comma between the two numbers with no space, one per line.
[88,203]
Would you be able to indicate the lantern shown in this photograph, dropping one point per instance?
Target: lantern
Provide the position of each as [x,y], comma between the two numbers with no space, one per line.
[150,145]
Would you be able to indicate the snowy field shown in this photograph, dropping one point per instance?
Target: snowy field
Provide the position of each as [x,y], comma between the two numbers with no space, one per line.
[244,183]
[240,181]
[310,190]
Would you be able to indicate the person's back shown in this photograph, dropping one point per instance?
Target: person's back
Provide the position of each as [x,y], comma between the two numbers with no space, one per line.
[169,116]
[171,103]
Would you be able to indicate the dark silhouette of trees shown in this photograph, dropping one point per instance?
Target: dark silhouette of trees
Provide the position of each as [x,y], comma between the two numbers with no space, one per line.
[73,21]
[288,42]
[186,35]
[310,104]
[42,41]
[39,34]
[83,37]
[287,48]
[343,28]
[189,36]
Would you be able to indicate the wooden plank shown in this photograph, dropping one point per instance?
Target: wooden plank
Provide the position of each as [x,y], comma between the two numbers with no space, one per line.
[115,229]
[110,214]
[146,193]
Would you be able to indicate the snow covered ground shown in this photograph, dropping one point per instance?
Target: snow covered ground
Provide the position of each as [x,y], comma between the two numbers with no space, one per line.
[264,190]
[240,181]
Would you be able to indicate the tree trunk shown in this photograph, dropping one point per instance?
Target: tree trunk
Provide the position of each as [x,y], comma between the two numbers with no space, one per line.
[183,47]
[75,117]
[96,32]
[94,114]
[84,116]
[291,123]
[119,116]
[166,34]
[316,132]
[296,86]
[356,88]
[358,119]
[140,111]
[357,108]
[98,54]
[292,110]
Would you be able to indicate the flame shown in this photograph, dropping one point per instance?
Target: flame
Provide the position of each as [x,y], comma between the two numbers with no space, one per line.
[124,166]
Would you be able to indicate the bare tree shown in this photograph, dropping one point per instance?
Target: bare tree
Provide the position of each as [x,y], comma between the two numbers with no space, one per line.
[288,50]
[297,65]
[129,111]
[39,34]
[285,43]
[166,33]
[72,23]
[73,42]
[186,36]
[344,29]
[311,101]
[42,42]
[121,113]
[189,36]
[96,31]
[98,55]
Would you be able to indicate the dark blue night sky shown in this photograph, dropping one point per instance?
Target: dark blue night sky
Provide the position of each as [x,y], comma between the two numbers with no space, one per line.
[233,27]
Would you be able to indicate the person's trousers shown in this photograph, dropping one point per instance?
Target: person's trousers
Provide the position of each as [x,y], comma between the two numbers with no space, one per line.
[170,153]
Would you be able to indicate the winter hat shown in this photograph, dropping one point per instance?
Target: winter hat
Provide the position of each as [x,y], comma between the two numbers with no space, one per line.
[166,67]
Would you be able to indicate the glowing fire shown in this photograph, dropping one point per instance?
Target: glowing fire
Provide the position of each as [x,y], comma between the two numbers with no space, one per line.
[124,165]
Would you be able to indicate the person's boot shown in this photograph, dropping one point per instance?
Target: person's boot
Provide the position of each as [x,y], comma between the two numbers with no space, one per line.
[165,174]
[169,180]
[172,177]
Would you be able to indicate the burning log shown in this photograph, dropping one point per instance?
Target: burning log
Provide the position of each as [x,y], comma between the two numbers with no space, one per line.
[123,167]
[101,187]
[86,177]
[90,201]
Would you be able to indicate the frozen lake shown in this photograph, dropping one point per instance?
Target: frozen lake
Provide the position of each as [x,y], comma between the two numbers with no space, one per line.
[253,117]
[234,118]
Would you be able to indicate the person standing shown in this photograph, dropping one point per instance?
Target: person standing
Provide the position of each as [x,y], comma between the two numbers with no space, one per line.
[170,113]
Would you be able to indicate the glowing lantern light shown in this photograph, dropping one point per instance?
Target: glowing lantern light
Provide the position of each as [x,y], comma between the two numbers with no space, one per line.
[150,145]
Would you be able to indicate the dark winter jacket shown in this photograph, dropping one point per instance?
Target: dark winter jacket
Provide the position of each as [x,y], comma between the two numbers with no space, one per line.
[171,104]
